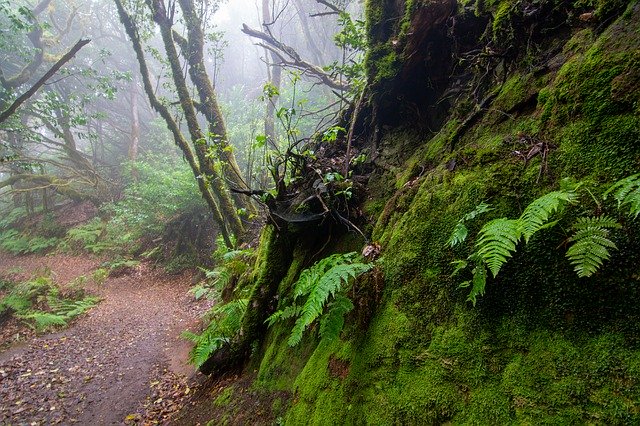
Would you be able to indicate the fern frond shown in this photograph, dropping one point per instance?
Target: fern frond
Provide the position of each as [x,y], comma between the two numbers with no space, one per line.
[320,282]
[497,240]
[331,324]
[44,320]
[627,192]
[478,283]
[310,276]
[460,231]
[224,326]
[480,208]
[459,235]
[590,244]
[536,215]
[291,311]
[622,188]
[459,266]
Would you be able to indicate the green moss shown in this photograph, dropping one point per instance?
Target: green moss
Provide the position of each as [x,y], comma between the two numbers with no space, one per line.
[542,346]
[319,398]
[225,397]
[501,25]
[579,42]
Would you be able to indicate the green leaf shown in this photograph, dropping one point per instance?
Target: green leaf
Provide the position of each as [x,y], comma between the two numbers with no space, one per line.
[497,241]
[590,244]
[536,215]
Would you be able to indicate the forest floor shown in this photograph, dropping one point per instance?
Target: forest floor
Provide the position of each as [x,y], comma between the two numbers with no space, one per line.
[122,362]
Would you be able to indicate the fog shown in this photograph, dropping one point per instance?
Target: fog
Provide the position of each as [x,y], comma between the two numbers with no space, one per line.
[74,135]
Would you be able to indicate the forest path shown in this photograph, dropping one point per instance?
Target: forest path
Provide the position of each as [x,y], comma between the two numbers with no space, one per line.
[104,367]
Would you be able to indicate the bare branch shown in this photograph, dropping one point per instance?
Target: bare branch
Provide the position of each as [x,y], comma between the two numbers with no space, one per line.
[294,58]
[333,7]
[26,95]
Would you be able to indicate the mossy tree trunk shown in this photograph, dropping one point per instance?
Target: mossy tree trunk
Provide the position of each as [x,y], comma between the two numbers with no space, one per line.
[194,54]
[178,137]
[218,187]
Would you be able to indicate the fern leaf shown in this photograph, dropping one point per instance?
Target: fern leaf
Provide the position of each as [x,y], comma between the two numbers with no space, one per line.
[536,215]
[332,281]
[331,324]
[291,311]
[622,188]
[590,244]
[224,326]
[44,320]
[478,283]
[460,231]
[480,208]
[459,266]
[459,235]
[627,192]
[497,240]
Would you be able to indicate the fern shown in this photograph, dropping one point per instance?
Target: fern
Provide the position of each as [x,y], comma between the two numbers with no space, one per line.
[14,242]
[331,324]
[477,283]
[291,311]
[322,282]
[38,244]
[496,241]
[627,192]
[87,234]
[44,320]
[590,244]
[11,217]
[460,231]
[224,326]
[536,215]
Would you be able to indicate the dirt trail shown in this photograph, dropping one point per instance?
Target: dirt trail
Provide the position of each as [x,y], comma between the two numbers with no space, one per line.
[103,368]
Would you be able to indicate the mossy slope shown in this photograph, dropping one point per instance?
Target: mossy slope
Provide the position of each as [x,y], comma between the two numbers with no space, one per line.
[542,346]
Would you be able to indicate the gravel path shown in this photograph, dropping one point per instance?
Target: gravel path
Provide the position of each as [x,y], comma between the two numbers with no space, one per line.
[103,368]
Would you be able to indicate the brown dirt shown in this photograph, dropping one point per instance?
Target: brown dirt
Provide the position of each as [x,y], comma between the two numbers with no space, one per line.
[232,400]
[122,360]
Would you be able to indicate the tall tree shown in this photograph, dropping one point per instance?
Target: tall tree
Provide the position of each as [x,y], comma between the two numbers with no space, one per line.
[200,155]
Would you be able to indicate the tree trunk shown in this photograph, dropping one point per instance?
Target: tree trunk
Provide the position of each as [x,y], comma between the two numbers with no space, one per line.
[274,71]
[209,103]
[225,202]
[135,119]
[178,137]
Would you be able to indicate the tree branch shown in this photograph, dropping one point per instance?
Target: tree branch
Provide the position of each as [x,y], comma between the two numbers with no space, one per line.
[26,95]
[294,58]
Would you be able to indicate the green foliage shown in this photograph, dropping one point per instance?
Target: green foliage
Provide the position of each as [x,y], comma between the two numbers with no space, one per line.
[332,322]
[12,216]
[590,243]
[21,243]
[536,216]
[231,264]
[44,320]
[118,265]
[460,231]
[224,326]
[627,193]
[327,279]
[100,275]
[38,302]
[88,236]
[498,239]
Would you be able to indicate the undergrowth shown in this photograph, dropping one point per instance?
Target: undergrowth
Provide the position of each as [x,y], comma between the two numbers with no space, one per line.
[42,305]
[589,243]
[225,319]
[323,285]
